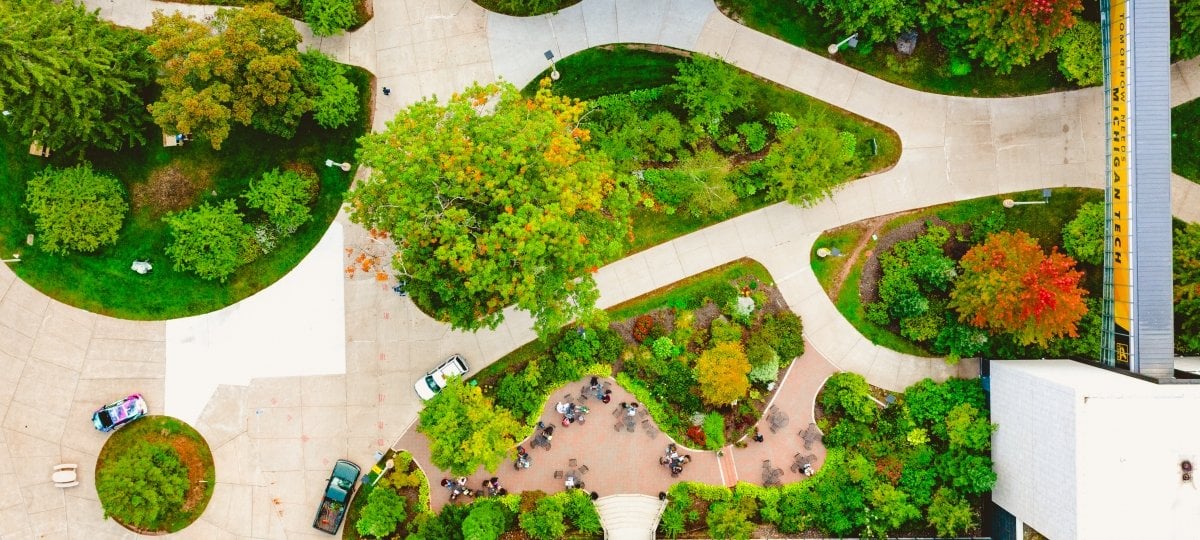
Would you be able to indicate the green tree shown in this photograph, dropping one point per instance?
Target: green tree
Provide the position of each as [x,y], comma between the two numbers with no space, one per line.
[144,486]
[891,509]
[1185,34]
[1083,238]
[850,394]
[493,200]
[335,98]
[967,428]
[806,164]
[951,514]
[284,197]
[875,22]
[1012,33]
[731,519]
[487,521]
[75,209]
[1187,287]
[1080,55]
[211,241]
[329,17]
[465,430]
[70,79]
[385,510]
[709,89]
[1010,285]
[546,521]
[722,373]
[248,71]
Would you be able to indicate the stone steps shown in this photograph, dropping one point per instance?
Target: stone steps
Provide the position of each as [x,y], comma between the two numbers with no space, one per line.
[629,517]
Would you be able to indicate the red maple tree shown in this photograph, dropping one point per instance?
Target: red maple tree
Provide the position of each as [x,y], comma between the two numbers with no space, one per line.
[1010,285]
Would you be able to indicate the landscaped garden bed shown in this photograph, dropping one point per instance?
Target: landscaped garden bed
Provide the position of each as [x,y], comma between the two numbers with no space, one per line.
[155,475]
[696,173]
[701,355]
[397,506]
[215,225]
[933,66]
[324,17]
[897,289]
[919,467]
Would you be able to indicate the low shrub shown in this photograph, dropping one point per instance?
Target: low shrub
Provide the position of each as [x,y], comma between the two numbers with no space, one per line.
[714,431]
[784,333]
[75,209]
[211,241]
[644,327]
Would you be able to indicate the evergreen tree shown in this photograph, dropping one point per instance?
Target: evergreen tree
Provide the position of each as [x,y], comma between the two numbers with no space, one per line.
[69,79]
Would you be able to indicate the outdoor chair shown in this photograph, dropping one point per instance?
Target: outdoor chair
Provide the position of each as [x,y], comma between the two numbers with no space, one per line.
[558,475]
[583,469]
[572,463]
[617,426]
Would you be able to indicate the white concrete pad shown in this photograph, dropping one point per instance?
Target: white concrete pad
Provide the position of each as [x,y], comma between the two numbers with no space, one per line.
[294,327]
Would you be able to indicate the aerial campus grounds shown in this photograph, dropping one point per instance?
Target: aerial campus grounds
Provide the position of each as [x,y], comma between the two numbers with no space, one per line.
[672,268]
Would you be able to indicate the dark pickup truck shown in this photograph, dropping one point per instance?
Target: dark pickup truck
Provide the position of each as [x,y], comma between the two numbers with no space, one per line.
[338,493]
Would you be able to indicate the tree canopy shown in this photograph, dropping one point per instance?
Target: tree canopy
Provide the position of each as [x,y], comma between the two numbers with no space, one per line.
[1083,237]
[248,71]
[144,485]
[722,373]
[494,200]
[1008,284]
[465,430]
[69,79]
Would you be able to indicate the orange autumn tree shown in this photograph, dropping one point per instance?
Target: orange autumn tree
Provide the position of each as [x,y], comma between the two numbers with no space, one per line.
[1010,285]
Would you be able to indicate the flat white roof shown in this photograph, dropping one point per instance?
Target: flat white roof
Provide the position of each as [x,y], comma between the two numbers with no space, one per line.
[1082,452]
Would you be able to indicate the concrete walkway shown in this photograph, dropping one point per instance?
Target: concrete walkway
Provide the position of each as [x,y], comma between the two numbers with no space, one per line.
[275,439]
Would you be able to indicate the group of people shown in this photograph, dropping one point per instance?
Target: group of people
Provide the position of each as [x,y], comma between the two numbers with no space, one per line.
[673,461]
[596,389]
[571,413]
[491,487]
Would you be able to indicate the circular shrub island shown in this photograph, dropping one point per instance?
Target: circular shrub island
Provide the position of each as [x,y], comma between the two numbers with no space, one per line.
[155,475]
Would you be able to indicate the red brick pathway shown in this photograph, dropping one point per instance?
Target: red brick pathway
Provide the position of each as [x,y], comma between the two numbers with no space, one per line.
[619,461]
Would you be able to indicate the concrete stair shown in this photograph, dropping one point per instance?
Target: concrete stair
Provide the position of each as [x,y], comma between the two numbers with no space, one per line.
[629,517]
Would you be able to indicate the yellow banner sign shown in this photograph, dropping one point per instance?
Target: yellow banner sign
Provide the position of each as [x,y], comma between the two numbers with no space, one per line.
[1120,182]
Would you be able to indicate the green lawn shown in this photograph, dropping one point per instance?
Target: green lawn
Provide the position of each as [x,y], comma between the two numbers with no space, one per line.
[193,452]
[102,282]
[615,69]
[844,239]
[690,290]
[926,70]
[1185,140]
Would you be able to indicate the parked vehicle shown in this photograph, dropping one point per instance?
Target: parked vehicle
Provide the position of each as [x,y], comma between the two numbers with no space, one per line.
[338,493]
[119,413]
[435,380]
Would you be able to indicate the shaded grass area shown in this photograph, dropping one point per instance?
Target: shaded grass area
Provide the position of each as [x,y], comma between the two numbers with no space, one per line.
[193,452]
[1185,140]
[102,281]
[927,69]
[843,239]
[527,7]
[615,69]
[1042,222]
[684,291]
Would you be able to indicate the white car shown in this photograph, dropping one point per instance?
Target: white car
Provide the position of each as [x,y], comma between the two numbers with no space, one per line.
[432,383]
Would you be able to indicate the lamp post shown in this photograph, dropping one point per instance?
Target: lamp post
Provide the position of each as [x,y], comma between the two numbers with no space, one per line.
[554,75]
[852,40]
[343,166]
[16,259]
[1009,203]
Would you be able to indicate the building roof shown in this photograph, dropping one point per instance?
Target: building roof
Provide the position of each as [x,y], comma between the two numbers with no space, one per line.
[1082,452]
